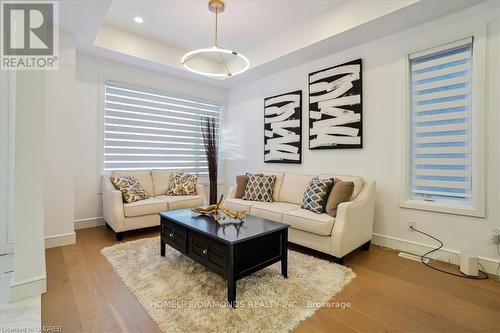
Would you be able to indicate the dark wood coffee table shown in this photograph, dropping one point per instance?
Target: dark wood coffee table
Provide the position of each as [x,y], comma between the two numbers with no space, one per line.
[233,251]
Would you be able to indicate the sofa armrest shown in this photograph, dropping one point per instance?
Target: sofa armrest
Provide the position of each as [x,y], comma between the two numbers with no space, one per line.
[200,190]
[354,222]
[112,205]
[231,192]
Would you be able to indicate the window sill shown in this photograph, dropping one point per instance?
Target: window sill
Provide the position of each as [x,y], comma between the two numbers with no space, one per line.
[443,208]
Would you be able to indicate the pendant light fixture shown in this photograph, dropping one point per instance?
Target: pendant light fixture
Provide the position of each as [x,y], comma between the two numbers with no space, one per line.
[215,61]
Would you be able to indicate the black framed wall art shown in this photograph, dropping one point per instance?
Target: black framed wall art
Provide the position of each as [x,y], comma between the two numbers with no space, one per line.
[335,107]
[283,128]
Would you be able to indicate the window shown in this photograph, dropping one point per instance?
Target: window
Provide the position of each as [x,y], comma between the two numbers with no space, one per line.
[442,170]
[145,129]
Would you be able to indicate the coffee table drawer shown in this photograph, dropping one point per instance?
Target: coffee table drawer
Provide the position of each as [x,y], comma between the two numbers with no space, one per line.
[174,235]
[208,252]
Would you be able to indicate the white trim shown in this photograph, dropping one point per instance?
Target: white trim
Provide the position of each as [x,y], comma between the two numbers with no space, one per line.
[7,149]
[60,240]
[489,265]
[89,222]
[477,207]
[27,288]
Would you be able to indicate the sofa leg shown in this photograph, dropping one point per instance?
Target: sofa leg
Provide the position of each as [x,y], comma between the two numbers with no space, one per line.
[339,261]
[119,236]
[107,226]
[366,246]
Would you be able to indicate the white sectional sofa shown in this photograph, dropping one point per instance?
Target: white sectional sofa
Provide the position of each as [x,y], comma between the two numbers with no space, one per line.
[349,230]
[144,213]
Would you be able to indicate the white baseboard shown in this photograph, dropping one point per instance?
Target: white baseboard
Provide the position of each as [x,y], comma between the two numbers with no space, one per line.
[489,265]
[89,222]
[60,240]
[27,288]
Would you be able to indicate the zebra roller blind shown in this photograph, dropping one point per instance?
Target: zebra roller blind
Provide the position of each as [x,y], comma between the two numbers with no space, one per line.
[146,129]
[440,138]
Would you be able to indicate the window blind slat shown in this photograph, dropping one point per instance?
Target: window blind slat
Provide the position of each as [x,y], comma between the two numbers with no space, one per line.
[442,116]
[439,172]
[442,150]
[439,83]
[441,139]
[419,129]
[442,106]
[442,73]
[440,94]
[461,56]
[455,185]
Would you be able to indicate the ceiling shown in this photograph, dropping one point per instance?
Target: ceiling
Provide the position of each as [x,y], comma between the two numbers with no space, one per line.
[273,34]
[188,25]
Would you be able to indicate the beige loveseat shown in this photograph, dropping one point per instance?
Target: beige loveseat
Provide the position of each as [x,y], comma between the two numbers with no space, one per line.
[144,213]
[350,229]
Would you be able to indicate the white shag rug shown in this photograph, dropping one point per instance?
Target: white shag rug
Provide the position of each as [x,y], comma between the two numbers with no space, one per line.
[181,295]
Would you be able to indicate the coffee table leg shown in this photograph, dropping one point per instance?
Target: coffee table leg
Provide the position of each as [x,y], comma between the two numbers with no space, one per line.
[162,248]
[231,291]
[284,253]
[231,281]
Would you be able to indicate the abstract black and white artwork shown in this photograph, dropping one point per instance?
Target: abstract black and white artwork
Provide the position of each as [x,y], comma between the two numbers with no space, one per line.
[335,107]
[283,128]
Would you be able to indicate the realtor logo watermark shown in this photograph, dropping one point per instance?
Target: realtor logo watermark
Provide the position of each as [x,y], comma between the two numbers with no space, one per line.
[30,38]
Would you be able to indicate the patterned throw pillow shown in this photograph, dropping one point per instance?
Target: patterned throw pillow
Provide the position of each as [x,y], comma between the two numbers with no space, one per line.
[131,189]
[259,188]
[316,195]
[181,183]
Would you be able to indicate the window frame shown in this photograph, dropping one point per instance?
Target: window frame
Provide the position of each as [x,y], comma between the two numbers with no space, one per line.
[106,77]
[477,207]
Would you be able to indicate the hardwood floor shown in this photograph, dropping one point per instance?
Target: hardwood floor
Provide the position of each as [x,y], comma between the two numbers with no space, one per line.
[389,294]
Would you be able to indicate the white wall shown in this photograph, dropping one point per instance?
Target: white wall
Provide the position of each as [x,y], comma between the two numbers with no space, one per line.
[59,127]
[91,73]
[384,106]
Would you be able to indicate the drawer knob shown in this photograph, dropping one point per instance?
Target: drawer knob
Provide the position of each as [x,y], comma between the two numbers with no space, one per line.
[205,251]
[171,235]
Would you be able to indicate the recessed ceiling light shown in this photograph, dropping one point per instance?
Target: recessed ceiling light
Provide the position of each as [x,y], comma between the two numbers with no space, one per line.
[138,19]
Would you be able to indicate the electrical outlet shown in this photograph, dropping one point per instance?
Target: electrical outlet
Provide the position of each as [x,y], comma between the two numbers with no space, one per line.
[412,224]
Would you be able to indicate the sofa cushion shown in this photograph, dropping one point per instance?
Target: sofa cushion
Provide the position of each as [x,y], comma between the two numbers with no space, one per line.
[272,210]
[277,184]
[131,189]
[239,204]
[293,188]
[357,181]
[145,207]
[182,201]
[303,219]
[160,181]
[142,176]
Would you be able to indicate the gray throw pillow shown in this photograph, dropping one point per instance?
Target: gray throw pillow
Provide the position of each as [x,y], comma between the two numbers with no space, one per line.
[316,195]
[259,188]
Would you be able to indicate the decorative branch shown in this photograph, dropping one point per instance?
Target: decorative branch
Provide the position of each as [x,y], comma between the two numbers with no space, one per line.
[213,211]
[209,134]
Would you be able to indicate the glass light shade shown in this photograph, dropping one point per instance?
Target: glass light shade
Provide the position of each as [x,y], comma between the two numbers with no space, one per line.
[215,62]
